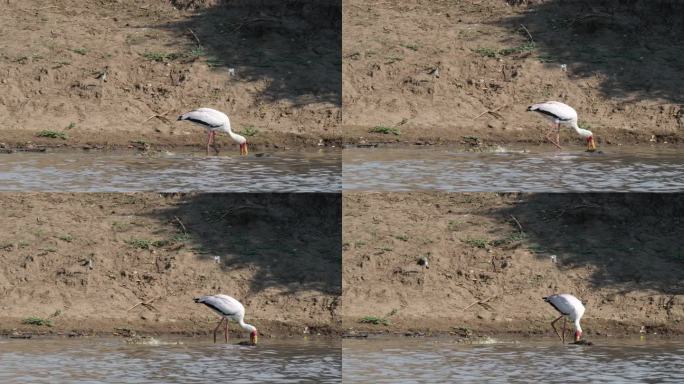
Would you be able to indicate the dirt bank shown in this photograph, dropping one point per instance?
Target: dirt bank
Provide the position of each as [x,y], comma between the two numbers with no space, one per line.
[433,69]
[111,72]
[491,261]
[89,260]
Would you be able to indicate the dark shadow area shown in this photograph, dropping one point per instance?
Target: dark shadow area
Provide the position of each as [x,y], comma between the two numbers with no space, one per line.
[632,241]
[293,45]
[293,240]
[633,46]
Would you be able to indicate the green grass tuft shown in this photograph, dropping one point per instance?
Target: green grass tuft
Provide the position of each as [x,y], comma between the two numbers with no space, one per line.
[80,51]
[52,134]
[385,130]
[249,131]
[374,320]
[478,243]
[140,243]
[35,320]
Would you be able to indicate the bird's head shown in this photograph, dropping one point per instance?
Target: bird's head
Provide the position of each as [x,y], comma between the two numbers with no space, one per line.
[591,145]
[253,336]
[578,336]
[243,144]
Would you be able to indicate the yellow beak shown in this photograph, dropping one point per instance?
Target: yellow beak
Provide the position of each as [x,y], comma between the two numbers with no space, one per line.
[243,149]
[591,146]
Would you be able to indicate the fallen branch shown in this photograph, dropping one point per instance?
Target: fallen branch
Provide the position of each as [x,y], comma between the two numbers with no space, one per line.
[518,223]
[185,232]
[480,301]
[147,304]
[488,111]
[196,38]
[160,117]
[528,32]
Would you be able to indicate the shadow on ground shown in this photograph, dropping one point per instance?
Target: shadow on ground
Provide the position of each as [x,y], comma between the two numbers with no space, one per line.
[293,239]
[632,241]
[634,46]
[293,45]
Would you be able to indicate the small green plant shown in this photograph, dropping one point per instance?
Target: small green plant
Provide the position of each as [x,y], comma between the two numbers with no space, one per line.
[491,52]
[35,320]
[160,57]
[120,227]
[68,238]
[80,51]
[249,131]
[52,134]
[413,47]
[487,52]
[401,237]
[374,320]
[140,243]
[478,243]
[453,225]
[385,130]
[180,238]
[71,126]
[23,244]
[197,52]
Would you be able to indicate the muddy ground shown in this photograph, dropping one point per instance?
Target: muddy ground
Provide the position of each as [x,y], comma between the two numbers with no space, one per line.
[491,260]
[88,261]
[162,58]
[452,71]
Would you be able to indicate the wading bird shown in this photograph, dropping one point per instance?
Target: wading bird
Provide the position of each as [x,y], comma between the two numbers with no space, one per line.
[213,121]
[563,114]
[569,307]
[229,309]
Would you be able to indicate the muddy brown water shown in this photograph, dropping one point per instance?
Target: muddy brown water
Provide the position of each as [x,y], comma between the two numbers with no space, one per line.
[98,360]
[173,172]
[393,360]
[619,169]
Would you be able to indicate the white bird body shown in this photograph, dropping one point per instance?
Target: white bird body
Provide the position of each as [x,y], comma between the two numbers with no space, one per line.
[563,114]
[229,309]
[214,121]
[568,306]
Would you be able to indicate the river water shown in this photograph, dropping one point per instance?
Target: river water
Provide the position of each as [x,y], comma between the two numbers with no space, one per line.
[98,360]
[402,360]
[170,172]
[619,169]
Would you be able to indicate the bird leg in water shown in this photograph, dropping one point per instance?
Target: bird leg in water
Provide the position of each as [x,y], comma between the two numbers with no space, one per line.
[217,327]
[563,339]
[226,330]
[553,325]
[213,142]
[548,136]
[209,137]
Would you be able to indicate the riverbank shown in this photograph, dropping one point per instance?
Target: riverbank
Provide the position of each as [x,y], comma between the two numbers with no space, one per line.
[100,263]
[116,73]
[492,257]
[442,72]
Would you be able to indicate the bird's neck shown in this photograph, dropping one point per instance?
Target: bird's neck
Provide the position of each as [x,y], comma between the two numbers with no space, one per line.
[577,326]
[245,326]
[238,138]
[580,131]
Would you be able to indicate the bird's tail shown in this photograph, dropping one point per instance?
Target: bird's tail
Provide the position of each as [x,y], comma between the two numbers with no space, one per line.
[546,299]
[531,108]
[197,300]
[180,117]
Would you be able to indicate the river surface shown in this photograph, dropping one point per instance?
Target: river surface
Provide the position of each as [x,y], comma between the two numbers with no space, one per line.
[171,172]
[400,360]
[618,169]
[98,360]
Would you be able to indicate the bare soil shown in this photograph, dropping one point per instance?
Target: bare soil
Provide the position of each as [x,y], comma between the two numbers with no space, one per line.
[491,260]
[88,261]
[163,58]
[448,71]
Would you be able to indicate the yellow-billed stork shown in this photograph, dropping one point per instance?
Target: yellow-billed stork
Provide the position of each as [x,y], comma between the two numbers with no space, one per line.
[569,307]
[563,114]
[228,308]
[213,120]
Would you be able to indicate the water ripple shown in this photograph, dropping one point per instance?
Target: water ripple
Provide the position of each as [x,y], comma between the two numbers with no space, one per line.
[620,170]
[124,172]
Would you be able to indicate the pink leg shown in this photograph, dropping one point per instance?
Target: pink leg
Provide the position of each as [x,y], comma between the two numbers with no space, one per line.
[558,134]
[226,331]
[217,327]
[563,329]
[209,138]
[213,141]
[553,325]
